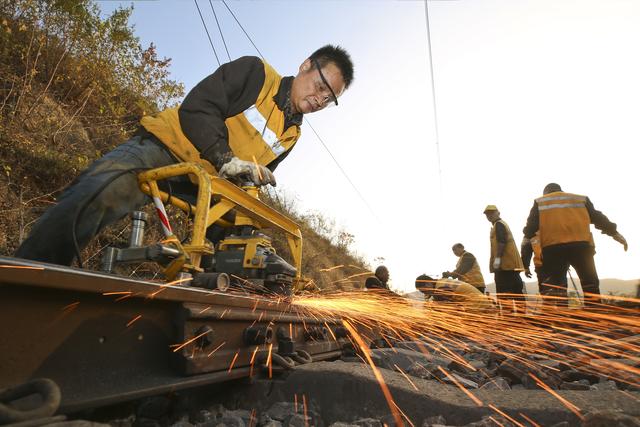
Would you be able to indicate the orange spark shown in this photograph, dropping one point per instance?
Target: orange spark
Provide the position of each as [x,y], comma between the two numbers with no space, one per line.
[376,373]
[216,349]
[233,361]
[133,320]
[467,392]
[573,408]
[189,341]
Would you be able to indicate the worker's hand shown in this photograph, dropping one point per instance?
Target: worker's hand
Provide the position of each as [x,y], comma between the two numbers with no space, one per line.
[496,263]
[446,274]
[258,174]
[620,239]
[527,273]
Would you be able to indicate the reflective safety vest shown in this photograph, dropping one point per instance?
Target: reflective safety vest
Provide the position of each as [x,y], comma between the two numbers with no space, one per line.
[563,219]
[469,296]
[258,132]
[474,275]
[537,250]
[511,260]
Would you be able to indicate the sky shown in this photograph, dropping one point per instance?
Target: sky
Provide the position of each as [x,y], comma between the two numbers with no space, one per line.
[527,92]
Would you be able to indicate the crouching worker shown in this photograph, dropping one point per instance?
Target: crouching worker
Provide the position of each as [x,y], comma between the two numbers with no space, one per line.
[453,291]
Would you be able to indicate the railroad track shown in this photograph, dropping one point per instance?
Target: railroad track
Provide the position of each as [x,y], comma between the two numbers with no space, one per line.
[106,339]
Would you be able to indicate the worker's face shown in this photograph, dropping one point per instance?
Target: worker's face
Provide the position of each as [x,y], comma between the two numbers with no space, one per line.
[383,275]
[457,251]
[492,216]
[313,89]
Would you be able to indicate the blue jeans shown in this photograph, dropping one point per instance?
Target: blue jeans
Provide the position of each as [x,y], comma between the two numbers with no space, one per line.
[51,238]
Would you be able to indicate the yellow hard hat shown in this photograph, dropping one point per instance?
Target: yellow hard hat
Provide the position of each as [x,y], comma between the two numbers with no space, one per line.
[490,208]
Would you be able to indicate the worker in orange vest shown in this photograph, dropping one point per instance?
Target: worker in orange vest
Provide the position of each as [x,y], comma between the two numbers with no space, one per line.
[563,223]
[505,262]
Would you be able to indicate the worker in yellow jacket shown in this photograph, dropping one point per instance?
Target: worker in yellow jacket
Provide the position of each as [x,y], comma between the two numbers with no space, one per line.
[453,291]
[563,222]
[242,120]
[467,268]
[505,262]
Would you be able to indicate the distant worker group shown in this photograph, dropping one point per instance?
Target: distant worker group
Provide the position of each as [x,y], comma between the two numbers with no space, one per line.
[557,235]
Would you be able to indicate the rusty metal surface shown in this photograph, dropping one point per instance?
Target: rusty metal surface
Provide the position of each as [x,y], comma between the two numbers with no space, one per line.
[106,339]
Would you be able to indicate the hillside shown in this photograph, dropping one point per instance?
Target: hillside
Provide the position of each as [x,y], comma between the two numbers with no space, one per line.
[72,87]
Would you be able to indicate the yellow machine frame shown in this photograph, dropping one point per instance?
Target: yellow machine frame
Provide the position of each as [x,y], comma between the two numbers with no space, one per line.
[227,196]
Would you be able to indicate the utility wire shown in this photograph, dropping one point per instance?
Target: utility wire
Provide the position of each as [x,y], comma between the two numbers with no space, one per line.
[207,31]
[242,28]
[343,171]
[220,29]
[433,91]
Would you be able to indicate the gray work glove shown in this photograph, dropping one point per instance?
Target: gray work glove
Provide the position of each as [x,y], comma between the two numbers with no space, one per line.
[258,174]
[496,263]
[620,239]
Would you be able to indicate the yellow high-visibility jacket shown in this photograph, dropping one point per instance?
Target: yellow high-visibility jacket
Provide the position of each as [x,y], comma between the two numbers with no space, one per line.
[240,110]
[474,275]
[511,260]
[563,218]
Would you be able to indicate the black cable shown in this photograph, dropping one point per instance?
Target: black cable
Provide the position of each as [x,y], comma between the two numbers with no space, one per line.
[433,91]
[343,171]
[220,29]
[207,31]
[84,206]
[242,28]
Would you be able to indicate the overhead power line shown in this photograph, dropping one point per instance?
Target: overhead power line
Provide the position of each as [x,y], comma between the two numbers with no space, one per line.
[343,171]
[220,30]
[207,31]
[242,28]
[433,91]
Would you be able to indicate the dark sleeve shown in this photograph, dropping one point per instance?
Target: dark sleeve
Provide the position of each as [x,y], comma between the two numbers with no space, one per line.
[501,233]
[231,89]
[466,264]
[600,220]
[533,222]
[373,283]
[527,253]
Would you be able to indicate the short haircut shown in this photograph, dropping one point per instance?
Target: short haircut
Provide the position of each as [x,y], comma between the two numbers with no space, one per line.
[551,188]
[458,245]
[380,269]
[338,56]
[424,281]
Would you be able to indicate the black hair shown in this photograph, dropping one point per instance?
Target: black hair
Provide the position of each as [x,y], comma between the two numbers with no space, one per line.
[424,281]
[338,56]
[380,268]
[458,245]
[551,188]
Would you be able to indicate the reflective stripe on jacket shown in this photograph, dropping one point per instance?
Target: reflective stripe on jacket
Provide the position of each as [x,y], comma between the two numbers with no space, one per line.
[256,133]
[563,219]
[511,260]
[474,275]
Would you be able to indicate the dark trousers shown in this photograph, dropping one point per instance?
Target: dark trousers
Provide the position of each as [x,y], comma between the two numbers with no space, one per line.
[51,238]
[508,282]
[579,255]
[543,277]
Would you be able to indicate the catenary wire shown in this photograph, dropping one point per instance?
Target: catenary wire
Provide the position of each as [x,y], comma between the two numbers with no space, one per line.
[220,30]
[207,31]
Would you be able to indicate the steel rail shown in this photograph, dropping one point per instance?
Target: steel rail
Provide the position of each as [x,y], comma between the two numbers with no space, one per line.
[106,339]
